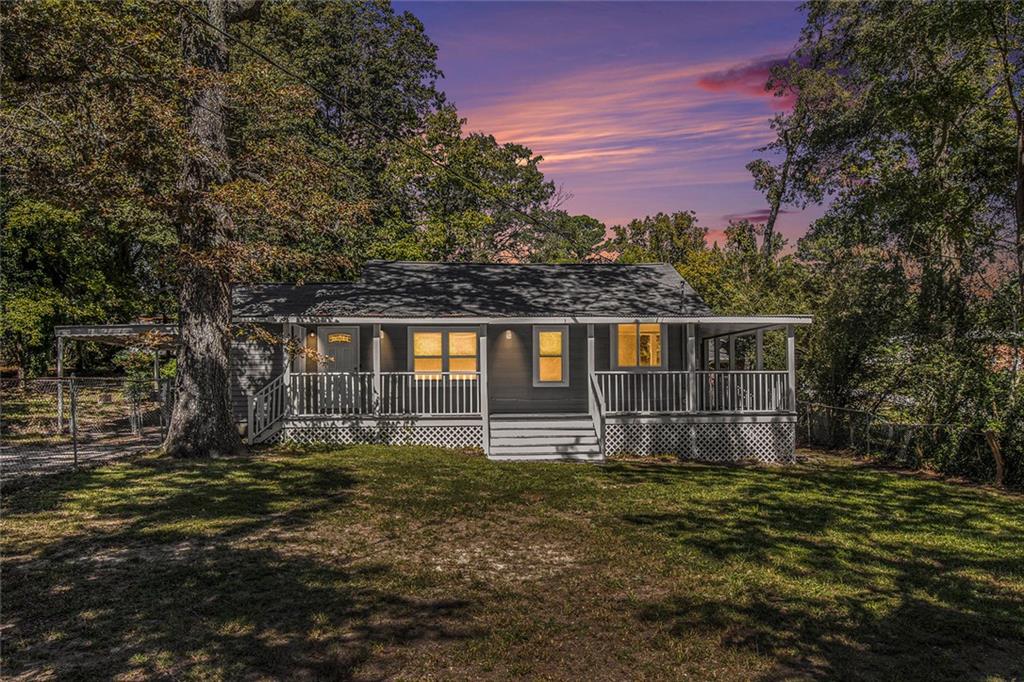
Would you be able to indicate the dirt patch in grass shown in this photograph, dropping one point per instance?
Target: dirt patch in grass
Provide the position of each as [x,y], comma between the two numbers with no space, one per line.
[376,562]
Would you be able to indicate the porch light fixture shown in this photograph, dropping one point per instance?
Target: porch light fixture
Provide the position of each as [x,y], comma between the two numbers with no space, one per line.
[508,334]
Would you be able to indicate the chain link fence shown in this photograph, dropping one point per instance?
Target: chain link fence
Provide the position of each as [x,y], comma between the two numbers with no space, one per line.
[53,424]
[949,448]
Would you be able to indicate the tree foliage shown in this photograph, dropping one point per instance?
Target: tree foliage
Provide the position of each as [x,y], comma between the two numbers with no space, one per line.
[910,122]
[313,180]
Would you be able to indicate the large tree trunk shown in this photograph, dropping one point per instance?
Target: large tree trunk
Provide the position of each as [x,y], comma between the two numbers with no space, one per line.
[201,424]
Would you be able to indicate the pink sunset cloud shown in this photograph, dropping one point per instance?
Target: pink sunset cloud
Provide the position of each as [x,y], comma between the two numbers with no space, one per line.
[748,79]
[608,118]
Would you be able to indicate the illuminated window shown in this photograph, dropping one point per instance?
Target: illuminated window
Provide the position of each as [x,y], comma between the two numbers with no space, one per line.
[639,345]
[435,351]
[550,355]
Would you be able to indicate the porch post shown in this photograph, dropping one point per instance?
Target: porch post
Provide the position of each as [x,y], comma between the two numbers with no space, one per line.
[485,413]
[732,353]
[590,369]
[691,368]
[60,384]
[286,366]
[376,368]
[791,366]
[760,349]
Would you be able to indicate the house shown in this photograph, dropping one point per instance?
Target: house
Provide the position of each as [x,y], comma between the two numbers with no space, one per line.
[523,361]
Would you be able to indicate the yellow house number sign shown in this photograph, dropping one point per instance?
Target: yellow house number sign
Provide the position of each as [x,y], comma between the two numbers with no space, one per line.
[340,337]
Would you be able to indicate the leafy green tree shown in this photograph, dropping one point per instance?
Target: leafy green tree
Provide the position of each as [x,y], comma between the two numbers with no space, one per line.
[129,115]
[566,238]
[207,165]
[666,238]
[464,197]
[910,121]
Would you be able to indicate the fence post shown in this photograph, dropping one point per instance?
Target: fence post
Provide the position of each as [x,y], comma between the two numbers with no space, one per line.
[60,384]
[161,391]
[810,411]
[74,418]
[867,435]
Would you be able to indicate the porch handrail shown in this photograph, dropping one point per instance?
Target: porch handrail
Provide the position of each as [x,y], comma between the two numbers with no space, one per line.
[598,411]
[646,392]
[743,391]
[266,407]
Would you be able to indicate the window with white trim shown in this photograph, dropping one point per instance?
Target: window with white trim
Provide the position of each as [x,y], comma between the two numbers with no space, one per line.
[638,346]
[550,355]
[433,351]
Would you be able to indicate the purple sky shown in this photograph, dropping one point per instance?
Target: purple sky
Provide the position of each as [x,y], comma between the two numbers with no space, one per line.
[636,107]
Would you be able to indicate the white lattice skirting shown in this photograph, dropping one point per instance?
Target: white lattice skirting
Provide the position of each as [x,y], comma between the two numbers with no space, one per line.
[710,442]
[389,434]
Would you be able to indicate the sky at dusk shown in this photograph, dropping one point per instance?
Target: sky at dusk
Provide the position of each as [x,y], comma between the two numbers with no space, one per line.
[636,107]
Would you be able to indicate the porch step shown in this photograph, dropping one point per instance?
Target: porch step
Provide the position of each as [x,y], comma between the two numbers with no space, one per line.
[544,437]
[547,439]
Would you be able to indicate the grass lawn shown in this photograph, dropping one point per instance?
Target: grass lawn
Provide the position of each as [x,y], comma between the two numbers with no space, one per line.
[370,562]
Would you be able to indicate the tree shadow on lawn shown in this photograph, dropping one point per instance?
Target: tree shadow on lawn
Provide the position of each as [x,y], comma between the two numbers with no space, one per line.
[863,574]
[179,571]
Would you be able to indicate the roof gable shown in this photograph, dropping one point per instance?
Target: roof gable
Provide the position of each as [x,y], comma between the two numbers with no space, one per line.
[429,290]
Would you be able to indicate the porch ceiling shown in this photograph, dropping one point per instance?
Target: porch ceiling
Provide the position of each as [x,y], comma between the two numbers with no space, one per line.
[739,326]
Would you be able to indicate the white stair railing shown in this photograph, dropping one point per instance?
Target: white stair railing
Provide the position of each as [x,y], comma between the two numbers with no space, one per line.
[266,408]
[597,410]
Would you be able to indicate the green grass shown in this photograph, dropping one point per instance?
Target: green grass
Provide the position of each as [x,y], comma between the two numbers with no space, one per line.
[372,562]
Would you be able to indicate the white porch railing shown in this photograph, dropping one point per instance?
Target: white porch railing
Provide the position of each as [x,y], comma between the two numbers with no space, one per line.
[266,408]
[643,392]
[743,391]
[331,393]
[401,393]
[441,393]
[717,391]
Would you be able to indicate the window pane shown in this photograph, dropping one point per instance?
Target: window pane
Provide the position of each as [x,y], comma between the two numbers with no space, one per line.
[462,343]
[426,343]
[627,345]
[462,364]
[650,345]
[550,343]
[426,364]
[550,369]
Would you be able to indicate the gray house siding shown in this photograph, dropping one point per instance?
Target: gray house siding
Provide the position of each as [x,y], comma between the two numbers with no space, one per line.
[510,373]
[602,347]
[253,364]
[394,344]
[675,348]
[366,348]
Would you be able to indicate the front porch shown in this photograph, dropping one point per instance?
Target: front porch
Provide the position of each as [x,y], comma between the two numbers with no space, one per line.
[703,398]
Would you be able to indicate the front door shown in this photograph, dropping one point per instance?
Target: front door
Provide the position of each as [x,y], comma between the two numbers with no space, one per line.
[339,387]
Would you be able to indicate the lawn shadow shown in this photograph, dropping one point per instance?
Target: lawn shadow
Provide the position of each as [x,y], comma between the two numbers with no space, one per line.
[858,574]
[184,569]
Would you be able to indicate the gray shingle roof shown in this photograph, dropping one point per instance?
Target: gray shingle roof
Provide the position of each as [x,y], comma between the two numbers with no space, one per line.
[421,289]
